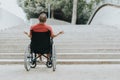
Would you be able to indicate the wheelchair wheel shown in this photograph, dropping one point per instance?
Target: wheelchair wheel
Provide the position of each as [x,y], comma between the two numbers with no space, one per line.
[54,58]
[27,58]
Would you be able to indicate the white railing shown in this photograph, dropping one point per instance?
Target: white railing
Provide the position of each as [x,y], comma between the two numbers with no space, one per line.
[115,2]
[112,2]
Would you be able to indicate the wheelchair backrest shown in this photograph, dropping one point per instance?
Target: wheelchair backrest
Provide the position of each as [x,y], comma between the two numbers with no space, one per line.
[40,39]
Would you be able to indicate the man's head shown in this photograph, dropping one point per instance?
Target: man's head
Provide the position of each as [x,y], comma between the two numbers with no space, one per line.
[43,17]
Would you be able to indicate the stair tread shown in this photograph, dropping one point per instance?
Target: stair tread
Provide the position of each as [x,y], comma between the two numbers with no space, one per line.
[9,60]
[63,53]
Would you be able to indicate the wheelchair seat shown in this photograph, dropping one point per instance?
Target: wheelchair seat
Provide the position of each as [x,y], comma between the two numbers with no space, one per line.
[41,42]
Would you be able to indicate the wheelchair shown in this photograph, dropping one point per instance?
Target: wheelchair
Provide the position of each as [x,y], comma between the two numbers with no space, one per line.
[41,43]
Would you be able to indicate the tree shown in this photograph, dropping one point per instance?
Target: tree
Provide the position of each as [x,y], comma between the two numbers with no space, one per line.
[32,7]
[54,5]
[74,12]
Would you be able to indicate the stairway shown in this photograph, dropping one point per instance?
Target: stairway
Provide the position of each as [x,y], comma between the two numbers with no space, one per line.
[81,44]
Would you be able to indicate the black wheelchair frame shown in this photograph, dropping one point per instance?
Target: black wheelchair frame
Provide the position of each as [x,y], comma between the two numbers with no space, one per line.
[41,43]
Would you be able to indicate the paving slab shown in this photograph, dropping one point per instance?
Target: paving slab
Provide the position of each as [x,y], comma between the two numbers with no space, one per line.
[63,72]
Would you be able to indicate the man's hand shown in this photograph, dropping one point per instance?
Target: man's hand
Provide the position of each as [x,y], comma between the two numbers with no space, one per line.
[25,33]
[61,32]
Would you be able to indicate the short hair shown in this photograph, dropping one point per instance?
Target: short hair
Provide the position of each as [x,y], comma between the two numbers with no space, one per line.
[42,17]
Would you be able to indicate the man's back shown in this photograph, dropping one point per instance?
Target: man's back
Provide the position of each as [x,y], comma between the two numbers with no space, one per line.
[41,28]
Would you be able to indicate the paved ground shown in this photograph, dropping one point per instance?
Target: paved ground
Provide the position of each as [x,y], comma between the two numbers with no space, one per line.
[63,72]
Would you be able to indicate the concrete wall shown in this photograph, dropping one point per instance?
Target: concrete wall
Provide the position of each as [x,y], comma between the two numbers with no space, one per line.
[8,19]
[106,14]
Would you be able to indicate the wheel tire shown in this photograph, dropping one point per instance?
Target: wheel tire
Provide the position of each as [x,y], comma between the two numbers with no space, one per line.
[54,58]
[27,58]
[49,64]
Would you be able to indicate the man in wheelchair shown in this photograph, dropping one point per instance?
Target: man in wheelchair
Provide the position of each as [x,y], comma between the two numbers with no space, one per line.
[41,36]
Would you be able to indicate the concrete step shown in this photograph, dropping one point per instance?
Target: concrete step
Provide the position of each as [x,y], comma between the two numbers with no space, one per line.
[83,39]
[13,50]
[88,55]
[67,55]
[61,45]
[66,42]
[110,50]
[67,61]
[83,46]
[87,50]
[98,40]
